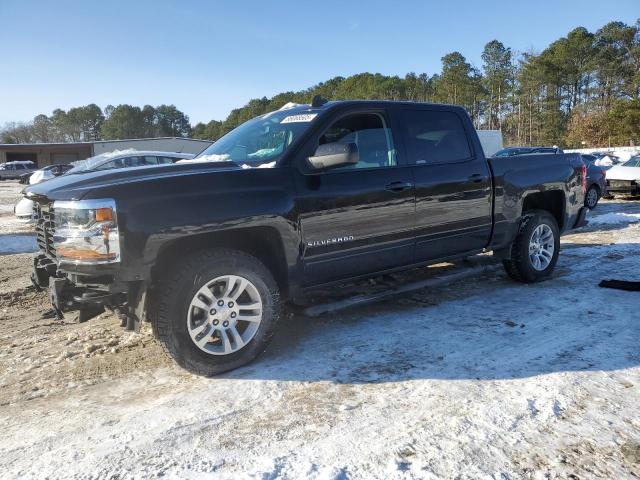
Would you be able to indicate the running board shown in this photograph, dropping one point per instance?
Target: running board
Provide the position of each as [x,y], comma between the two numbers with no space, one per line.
[317,310]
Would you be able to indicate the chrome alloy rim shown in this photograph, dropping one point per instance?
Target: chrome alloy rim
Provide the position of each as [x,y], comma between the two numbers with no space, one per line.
[224,315]
[592,197]
[541,247]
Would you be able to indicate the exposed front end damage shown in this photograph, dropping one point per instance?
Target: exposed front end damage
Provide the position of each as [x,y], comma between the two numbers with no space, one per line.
[79,286]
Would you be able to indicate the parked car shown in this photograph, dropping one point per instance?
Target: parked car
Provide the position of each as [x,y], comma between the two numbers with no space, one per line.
[23,210]
[208,251]
[126,159]
[48,172]
[13,170]
[512,151]
[606,160]
[625,179]
[596,181]
[600,155]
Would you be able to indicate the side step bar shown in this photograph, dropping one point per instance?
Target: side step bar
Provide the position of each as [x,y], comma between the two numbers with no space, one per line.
[320,309]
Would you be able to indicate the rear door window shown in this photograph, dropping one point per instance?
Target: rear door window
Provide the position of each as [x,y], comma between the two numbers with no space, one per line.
[134,161]
[433,136]
[116,163]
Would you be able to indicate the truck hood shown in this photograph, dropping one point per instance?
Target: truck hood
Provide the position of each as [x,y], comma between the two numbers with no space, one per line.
[623,173]
[76,186]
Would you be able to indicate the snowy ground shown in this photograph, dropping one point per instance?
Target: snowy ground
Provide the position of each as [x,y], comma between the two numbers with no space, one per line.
[483,378]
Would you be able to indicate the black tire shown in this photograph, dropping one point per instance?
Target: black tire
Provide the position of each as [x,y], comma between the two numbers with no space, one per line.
[519,266]
[592,197]
[169,303]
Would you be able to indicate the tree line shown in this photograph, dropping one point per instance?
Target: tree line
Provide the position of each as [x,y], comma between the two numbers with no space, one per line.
[582,90]
[90,123]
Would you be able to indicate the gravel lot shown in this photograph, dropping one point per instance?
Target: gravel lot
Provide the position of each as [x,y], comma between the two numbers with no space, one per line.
[482,378]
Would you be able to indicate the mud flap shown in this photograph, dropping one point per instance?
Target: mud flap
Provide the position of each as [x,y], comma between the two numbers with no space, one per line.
[582,218]
[39,276]
[56,286]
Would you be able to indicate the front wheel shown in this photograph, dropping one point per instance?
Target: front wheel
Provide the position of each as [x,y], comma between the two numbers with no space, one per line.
[535,250]
[592,197]
[215,312]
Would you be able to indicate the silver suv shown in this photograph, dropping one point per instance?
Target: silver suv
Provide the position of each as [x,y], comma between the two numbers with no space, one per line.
[11,170]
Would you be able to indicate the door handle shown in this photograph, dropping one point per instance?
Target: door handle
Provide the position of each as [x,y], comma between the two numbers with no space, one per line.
[398,186]
[476,178]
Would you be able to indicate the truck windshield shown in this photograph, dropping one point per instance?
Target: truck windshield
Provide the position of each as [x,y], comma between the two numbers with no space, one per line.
[260,142]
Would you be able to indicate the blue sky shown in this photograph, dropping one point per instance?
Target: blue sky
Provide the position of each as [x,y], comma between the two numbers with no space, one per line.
[207,57]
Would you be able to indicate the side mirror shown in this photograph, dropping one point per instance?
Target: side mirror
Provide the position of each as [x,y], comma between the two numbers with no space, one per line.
[332,155]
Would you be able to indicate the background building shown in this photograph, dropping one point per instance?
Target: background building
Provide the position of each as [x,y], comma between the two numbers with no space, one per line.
[54,153]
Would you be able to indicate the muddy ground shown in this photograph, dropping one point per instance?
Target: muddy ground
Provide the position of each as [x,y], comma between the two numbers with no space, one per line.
[536,422]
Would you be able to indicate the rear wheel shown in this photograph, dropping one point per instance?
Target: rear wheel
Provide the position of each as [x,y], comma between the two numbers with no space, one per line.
[215,312]
[592,197]
[535,250]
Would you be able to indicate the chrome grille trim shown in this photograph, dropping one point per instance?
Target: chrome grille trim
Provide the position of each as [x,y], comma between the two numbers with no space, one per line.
[45,226]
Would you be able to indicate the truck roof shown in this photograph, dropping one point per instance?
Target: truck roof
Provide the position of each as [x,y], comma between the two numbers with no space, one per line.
[293,107]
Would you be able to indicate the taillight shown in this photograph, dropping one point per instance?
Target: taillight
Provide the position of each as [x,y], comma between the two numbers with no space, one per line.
[584,179]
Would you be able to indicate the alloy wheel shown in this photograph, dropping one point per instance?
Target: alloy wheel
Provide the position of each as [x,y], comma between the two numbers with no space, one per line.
[224,315]
[541,247]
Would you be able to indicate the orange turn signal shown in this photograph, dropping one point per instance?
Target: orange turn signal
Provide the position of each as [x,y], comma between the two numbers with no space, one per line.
[104,215]
[83,254]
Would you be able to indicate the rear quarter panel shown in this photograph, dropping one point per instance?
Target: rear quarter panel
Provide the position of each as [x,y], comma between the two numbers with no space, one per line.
[518,176]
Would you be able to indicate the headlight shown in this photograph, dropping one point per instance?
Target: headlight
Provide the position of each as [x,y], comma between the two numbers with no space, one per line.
[86,231]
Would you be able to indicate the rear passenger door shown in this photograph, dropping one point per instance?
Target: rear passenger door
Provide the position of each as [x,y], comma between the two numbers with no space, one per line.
[452,182]
[355,219]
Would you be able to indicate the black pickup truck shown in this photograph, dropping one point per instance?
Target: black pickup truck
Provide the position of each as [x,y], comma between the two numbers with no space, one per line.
[208,250]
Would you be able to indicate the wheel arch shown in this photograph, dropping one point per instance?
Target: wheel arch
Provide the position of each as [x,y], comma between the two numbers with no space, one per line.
[262,242]
[552,201]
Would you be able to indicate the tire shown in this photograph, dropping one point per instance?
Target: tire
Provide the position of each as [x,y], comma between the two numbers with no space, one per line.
[592,197]
[175,317]
[520,266]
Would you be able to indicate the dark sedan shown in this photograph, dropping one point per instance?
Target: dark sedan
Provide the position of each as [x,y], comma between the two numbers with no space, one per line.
[596,181]
[513,151]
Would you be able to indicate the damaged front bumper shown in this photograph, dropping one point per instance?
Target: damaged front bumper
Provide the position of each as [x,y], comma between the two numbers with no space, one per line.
[87,293]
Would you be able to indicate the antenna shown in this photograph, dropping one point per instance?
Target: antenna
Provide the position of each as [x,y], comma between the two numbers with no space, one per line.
[318,101]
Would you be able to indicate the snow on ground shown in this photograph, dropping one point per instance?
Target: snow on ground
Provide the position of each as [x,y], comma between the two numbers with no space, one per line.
[15,236]
[483,378]
[9,196]
[17,244]
[614,218]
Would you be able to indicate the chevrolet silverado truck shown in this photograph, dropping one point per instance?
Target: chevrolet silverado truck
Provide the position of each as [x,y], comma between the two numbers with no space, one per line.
[209,250]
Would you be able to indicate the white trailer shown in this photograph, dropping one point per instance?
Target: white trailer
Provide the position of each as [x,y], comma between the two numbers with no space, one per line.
[491,141]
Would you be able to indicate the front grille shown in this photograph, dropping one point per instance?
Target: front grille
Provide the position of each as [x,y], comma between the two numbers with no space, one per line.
[621,183]
[45,225]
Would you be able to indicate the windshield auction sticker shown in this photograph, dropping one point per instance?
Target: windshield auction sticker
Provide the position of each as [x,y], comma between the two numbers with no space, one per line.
[306,117]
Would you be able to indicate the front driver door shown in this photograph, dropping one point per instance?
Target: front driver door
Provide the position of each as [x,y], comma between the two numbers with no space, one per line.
[356,219]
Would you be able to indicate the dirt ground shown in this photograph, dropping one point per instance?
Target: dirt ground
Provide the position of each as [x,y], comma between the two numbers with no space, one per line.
[52,371]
